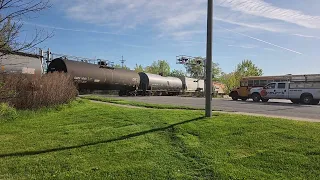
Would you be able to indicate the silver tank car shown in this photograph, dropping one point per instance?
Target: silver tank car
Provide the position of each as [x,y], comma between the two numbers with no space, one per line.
[19,62]
[190,85]
[201,85]
[159,85]
[97,77]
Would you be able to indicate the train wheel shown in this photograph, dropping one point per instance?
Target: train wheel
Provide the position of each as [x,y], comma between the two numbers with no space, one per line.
[121,93]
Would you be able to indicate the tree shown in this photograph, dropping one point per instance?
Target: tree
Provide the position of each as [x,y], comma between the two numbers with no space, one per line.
[120,67]
[177,73]
[244,69]
[159,67]
[139,68]
[216,72]
[11,13]
[230,81]
[195,68]
[247,68]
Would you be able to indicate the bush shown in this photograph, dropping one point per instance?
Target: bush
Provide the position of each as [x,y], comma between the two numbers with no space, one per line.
[7,112]
[31,92]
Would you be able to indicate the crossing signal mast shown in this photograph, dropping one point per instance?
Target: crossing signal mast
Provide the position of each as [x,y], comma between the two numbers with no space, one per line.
[187,60]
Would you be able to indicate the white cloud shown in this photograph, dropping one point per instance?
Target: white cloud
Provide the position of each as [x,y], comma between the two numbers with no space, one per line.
[306,36]
[136,46]
[165,15]
[265,27]
[267,10]
[243,46]
[269,49]
[263,41]
[183,18]
[74,30]
[183,34]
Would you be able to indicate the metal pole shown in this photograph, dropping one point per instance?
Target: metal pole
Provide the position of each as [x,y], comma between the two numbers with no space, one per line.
[43,63]
[209,60]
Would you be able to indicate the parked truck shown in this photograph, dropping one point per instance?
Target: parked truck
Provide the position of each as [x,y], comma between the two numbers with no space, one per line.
[302,91]
[247,83]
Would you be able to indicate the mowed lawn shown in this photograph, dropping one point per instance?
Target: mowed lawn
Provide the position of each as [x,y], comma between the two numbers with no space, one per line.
[86,140]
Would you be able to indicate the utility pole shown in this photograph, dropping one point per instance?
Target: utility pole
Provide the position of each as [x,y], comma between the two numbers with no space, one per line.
[208,80]
[122,61]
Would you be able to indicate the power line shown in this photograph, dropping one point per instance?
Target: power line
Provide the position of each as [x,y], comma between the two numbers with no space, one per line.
[122,61]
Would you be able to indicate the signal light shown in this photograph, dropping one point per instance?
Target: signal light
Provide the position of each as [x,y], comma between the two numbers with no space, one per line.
[183,60]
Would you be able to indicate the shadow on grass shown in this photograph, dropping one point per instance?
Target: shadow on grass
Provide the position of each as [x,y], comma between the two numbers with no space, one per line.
[30,153]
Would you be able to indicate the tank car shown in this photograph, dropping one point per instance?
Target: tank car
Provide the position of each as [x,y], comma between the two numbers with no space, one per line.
[201,85]
[19,62]
[191,86]
[97,76]
[153,84]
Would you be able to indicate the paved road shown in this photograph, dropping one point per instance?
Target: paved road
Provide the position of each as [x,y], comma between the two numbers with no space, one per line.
[281,108]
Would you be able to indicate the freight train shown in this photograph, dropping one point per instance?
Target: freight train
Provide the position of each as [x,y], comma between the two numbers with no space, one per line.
[100,76]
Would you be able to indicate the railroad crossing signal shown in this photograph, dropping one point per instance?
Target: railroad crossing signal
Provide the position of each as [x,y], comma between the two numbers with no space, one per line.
[188,60]
[183,59]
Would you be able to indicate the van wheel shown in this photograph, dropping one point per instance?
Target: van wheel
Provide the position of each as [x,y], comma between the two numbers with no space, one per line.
[265,100]
[307,99]
[256,97]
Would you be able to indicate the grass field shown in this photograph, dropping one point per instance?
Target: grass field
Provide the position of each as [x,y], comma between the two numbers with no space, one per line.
[85,140]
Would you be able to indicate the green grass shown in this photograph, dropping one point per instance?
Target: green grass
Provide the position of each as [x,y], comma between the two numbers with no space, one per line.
[138,104]
[86,140]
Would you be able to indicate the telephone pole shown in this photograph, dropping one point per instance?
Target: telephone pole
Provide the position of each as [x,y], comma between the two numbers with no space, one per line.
[122,61]
[208,80]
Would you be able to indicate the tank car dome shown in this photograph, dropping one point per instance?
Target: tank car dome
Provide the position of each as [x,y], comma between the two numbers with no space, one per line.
[57,65]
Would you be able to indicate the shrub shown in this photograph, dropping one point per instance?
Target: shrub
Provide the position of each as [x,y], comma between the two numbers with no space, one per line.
[7,112]
[31,92]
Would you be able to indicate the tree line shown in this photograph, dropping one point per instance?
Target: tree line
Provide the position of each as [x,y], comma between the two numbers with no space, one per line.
[195,69]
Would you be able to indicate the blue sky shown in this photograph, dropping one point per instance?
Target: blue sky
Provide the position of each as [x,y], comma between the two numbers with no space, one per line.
[279,36]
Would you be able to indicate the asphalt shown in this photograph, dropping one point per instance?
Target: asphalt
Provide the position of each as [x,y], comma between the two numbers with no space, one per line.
[274,108]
